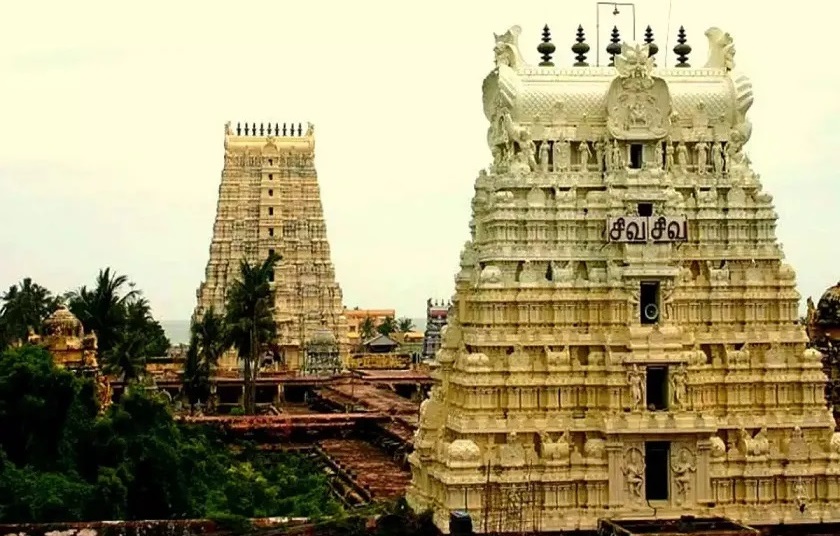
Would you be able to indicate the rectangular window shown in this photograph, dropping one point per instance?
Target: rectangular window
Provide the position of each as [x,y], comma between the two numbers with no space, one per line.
[657,454]
[271,211]
[649,302]
[270,193]
[271,252]
[271,231]
[636,156]
[645,209]
[656,388]
[270,175]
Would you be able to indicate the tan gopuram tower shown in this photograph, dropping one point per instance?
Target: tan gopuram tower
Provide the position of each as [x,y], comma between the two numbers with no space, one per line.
[623,340]
[269,201]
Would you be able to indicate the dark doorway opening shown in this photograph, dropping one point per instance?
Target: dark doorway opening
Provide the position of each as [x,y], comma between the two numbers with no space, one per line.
[649,302]
[656,388]
[645,209]
[657,454]
[636,156]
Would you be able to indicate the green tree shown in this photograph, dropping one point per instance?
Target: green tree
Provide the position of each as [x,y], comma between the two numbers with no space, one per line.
[367,329]
[388,326]
[405,324]
[249,319]
[25,305]
[208,342]
[127,333]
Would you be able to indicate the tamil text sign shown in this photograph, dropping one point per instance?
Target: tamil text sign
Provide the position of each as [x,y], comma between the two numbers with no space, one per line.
[641,229]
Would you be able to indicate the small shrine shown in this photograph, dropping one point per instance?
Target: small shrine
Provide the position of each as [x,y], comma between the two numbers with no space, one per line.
[322,357]
[73,349]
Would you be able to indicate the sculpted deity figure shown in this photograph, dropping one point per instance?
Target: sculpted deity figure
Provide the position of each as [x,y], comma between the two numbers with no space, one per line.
[617,157]
[679,392]
[657,156]
[682,157]
[635,380]
[682,467]
[669,156]
[560,159]
[717,158]
[634,473]
[702,157]
[585,153]
[544,153]
[599,155]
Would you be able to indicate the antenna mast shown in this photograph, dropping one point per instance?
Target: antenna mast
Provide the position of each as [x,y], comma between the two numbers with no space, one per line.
[668,34]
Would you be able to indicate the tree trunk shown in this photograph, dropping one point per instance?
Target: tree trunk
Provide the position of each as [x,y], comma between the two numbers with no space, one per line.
[250,375]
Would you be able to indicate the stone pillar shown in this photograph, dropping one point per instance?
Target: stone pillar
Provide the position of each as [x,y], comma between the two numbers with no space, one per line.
[616,477]
[279,395]
[703,489]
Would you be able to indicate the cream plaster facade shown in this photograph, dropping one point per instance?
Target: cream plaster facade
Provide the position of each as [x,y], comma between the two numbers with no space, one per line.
[623,340]
[269,200]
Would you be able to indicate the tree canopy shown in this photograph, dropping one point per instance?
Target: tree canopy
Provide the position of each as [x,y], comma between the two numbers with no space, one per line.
[59,461]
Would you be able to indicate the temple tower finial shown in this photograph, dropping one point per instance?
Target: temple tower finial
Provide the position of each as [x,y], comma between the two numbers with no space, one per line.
[683,49]
[614,48]
[546,48]
[580,48]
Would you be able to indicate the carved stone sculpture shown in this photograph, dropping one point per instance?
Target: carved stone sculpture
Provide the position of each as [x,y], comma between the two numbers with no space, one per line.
[634,473]
[635,379]
[683,468]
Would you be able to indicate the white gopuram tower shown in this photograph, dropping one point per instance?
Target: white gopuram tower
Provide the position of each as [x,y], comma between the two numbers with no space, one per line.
[623,341]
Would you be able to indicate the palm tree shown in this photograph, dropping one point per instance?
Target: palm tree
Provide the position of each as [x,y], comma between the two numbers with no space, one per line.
[122,318]
[25,305]
[367,329]
[388,326]
[104,309]
[404,325]
[249,318]
[208,342]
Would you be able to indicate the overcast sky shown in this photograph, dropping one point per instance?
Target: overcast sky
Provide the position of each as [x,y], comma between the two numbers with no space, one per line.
[111,127]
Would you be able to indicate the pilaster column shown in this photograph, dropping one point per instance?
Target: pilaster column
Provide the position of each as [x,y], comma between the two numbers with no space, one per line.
[703,489]
[616,477]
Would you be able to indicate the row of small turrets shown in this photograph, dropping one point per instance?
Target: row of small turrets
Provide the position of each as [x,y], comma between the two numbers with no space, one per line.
[267,130]
[581,47]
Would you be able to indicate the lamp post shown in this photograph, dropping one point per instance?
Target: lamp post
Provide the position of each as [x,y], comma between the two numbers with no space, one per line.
[615,12]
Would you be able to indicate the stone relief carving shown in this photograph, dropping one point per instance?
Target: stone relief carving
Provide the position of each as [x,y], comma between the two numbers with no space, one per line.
[558,451]
[638,104]
[544,156]
[634,473]
[506,49]
[754,446]
[717,447]
[491,275]
[702,149]
[635,379]
[721,50]
[683,466]
[796,446]
[679,394]
[512,453]
[464,451]
[557,359]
